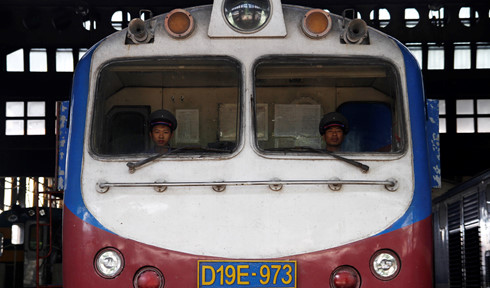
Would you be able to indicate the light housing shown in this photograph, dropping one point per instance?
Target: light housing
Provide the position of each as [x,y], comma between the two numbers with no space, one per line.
[345,277]
[109,263]
[148,277]
[247,16]
[385,264]
[316,23]
[179,23]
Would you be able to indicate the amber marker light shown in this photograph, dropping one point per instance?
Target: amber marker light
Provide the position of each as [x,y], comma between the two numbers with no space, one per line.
[179,23]
[316,23]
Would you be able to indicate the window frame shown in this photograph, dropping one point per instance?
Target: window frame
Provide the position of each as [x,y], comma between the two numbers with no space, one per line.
[155,62]
[398,112]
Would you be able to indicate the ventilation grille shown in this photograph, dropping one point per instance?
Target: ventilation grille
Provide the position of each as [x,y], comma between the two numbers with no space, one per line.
[455,245]
[465,262]
[470,209]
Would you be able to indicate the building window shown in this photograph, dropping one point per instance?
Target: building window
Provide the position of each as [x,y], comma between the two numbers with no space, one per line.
[38,61]
[64,60]
[412,17]
[468,16]
[462,55]
[483,115]
[464,121]
[25,118]
[436,17]
[482,55]
[15,61]
[117,21]
[14,125]
[81,52]
[416,49]
[382,16]
[435,57]
[471,118]
[90,25]
[442,116]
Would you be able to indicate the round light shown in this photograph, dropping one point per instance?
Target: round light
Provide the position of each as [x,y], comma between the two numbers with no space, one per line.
[316,23]
[109,263]
[247,15]
[385,265]
[345,277]
[148,277]
[179,23]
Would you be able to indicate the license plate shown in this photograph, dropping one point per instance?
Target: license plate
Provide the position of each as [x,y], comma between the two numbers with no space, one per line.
[241,274]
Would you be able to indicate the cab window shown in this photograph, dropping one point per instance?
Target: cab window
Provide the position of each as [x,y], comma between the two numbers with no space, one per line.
[32,237]
[292,96]
[202,95]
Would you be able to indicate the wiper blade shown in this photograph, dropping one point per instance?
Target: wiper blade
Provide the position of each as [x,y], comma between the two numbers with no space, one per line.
[134,165]
[364,168]
[205,149]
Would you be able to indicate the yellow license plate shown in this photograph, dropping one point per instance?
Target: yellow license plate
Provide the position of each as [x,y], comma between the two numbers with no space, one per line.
[242,274]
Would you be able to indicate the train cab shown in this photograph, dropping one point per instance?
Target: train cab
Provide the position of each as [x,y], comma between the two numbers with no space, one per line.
[248,191]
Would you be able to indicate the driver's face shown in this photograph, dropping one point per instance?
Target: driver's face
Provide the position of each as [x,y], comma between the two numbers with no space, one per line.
[333,137]
[161,134]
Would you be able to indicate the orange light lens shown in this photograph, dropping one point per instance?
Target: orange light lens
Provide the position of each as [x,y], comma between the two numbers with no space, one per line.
[179,23]
[316,23]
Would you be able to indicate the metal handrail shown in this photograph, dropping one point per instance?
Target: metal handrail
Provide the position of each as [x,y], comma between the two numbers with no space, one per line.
[219,186]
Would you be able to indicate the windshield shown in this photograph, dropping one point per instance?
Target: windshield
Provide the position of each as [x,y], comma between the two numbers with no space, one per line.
[152,106]
[333,105]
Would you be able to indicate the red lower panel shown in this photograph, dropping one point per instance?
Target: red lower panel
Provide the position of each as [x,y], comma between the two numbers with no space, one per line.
[82,241]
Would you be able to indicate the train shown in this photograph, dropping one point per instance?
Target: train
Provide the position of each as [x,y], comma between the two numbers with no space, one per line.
[245,192]
[30,247]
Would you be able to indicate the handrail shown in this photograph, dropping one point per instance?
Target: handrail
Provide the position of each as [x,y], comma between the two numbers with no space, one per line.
[276,185]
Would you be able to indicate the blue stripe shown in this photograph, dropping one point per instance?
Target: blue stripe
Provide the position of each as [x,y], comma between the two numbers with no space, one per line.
[73,196]
[420,208]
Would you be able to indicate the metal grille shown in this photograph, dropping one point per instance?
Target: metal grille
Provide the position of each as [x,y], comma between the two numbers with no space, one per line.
[465,263]
[455,245]
[472,247]
[472,257]
[470,209]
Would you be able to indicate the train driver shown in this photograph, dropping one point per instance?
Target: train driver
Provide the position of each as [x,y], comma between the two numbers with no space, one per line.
[333,128]
[162,127]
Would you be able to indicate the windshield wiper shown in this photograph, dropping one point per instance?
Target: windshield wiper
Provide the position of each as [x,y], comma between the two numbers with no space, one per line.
[206,149]
[134,165]
[364,168]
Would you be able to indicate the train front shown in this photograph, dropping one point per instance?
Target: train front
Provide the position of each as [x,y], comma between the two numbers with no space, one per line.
[248,191]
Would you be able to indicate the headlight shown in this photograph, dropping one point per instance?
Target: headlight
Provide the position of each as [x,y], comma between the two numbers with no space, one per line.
[385,264]
[109,263]
[247,15]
